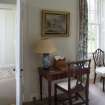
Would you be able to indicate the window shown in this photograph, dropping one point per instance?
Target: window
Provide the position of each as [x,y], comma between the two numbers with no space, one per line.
[93,25]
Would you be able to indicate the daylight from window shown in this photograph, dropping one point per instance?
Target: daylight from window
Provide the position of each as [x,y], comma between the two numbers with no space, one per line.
[93,26]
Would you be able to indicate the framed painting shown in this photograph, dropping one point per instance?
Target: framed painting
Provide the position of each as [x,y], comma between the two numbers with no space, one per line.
[55,23]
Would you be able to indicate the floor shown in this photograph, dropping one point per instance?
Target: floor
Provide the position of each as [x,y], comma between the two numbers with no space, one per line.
[96,96]
[7,86]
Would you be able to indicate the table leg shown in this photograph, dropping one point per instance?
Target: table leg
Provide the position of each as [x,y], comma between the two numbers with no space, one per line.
[103,83]
[49,92]
[40,87]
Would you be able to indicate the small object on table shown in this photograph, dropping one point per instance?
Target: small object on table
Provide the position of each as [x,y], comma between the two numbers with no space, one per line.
[60,63]
[46,61]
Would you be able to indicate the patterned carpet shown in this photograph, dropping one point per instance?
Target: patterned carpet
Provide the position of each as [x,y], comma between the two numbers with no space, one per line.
[96,96]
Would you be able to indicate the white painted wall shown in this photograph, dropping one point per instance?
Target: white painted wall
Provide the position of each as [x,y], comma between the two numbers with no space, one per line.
[31,28]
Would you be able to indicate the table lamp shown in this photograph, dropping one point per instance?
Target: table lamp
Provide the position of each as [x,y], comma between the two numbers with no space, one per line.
[45,47]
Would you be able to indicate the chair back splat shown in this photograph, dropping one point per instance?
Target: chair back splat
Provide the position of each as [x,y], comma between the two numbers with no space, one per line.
[98,57]
[99,65]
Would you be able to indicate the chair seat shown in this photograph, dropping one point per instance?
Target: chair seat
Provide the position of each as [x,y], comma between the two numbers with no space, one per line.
[100,71]
[64,84]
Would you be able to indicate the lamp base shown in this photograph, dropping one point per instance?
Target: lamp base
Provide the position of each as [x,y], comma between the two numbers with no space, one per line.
[46,61]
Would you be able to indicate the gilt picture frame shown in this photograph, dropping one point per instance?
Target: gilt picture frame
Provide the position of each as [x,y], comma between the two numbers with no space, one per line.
[55,23]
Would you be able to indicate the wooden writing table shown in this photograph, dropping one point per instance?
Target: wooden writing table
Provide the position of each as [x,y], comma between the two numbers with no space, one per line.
[50,75]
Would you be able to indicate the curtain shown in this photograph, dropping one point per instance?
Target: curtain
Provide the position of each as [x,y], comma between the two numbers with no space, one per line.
[101,15]
[83,30]
[7,36]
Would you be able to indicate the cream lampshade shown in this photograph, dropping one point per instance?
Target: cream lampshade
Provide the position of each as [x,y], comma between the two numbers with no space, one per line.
[45,47]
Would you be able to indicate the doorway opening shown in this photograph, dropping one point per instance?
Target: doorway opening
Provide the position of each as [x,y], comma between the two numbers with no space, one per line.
[7,53]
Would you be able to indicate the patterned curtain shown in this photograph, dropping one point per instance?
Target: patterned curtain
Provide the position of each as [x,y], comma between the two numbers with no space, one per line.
[83,30]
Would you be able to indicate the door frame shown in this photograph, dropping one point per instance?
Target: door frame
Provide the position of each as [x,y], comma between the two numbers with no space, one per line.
[19,53]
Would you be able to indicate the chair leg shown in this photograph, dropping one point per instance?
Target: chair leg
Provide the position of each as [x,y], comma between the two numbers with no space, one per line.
[103,83]
[76,96]
[55,94]
[87,96]
[101,79]
[70,102]
[95,78]
[70,99]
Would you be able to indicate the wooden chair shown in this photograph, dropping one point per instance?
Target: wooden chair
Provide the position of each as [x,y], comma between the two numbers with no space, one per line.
[77,81]
[98,57]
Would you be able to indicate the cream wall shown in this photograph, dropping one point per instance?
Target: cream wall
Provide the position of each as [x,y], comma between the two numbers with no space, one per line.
[31,34]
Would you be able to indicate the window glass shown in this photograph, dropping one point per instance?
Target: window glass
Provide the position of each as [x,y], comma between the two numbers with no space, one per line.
[93,25]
